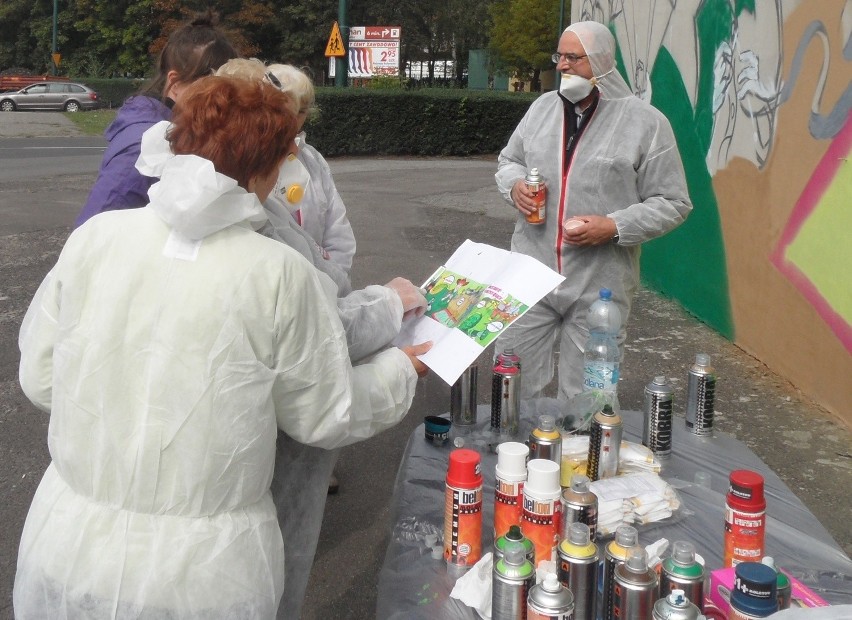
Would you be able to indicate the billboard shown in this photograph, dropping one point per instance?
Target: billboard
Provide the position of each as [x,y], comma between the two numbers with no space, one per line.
[373,50]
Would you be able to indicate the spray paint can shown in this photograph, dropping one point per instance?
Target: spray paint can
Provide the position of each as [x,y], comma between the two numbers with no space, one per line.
[676,606]
[505,396]
[541,518]
[745,518]
[636,587]
[509,477]
[463,511]
[682,572]
[536,185]
[604,444]
[463,398]
[512,577]
[514,536]
[550,600]
[615,554]
[700,396]
[754,594]
[579,504]
[578,569]
[782,584]
[657,427]
[545,440]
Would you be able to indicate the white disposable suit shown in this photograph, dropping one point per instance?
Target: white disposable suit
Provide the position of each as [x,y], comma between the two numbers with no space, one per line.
[625,166]
[169,343]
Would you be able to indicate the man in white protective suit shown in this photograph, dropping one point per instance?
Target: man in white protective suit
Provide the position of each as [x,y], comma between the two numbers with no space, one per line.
[614,180]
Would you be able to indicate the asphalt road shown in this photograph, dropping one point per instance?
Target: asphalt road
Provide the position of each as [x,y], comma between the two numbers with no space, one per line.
[408,215]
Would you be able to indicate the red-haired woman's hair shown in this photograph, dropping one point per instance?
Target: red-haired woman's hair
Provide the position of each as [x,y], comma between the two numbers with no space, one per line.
[244,127]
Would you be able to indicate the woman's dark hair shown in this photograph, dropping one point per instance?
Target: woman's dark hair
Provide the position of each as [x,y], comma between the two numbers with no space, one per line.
[194,50]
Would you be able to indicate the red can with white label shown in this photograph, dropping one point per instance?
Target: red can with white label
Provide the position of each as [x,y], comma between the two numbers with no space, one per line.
[745,518]
[463,510]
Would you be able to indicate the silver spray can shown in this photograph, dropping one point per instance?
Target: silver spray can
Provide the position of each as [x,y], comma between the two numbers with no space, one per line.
[636,587]
[577,569]
[615,554]
[657,427]
[545,440]
[700,396]
[579,504]
[463,398]
[604,444]
[505,395]
[550,600]
[512,578]
[676,606]
[681,571]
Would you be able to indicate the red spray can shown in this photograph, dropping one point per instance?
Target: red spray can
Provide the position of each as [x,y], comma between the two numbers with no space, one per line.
[463,511]
[745,518]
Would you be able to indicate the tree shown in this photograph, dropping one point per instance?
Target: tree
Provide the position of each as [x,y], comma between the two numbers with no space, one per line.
[524,35]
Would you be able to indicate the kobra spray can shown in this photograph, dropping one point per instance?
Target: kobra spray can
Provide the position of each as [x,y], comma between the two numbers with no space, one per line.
[615,553]
[545,440]
[700,396]
[579,504]
[541,518]
[683,572]
[657,426]
[505,396]
[509,477]
[676,606]
[514,536]
[512,577]
[463,511]
[550,600]
[636,589]
[577,569]
[604,444]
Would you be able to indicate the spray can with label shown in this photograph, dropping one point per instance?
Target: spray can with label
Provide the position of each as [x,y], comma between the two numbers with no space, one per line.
[536,185]
[514,536]
[550,600]
[579,504]
[512,577]
[545,440]
[657,427]
[509,477]
[604,444]
[682,572]
[615,554]
[463,511]
[636,587]
[782,584]
[505,396]
[542,512]
[463,399]
[754,594]
[676,606]
[745,518]
[700,396]
[578,569]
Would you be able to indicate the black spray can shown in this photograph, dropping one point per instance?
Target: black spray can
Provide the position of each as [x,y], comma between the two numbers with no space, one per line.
[550,600]
[505,395]
[657,427]
[636,587]
[579,504]
[578,569]
[700,396]
[512,578]
[604,444]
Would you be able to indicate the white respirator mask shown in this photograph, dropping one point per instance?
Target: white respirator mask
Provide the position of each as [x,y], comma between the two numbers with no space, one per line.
[292,181]
[576,88]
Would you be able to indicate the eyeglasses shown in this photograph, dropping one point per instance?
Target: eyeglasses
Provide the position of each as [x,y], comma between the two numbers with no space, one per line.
[569,58]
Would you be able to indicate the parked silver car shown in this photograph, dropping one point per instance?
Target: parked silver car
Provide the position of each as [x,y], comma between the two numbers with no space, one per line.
[66,96]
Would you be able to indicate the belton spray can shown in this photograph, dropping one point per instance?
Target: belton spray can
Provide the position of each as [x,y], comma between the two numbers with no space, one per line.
[505,395]
[509,477]
[545,440]
[676,606]
[604,444]
[636,589]
[550,600]
[615,553]
[577,569]
[657,426]
[511,579]
[682,572]
[463,511]
[514,537]
[536,185]
[745,518]
[700,396]
[542,511]
[579,504]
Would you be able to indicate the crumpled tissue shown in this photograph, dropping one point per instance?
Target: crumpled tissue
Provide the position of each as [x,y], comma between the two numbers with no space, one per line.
[474,587]
[633,498]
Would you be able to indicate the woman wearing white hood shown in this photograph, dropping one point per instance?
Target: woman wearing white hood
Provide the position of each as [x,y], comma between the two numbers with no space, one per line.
[168,343]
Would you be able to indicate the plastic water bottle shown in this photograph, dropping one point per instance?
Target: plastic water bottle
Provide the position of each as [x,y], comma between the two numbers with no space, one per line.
[601,354]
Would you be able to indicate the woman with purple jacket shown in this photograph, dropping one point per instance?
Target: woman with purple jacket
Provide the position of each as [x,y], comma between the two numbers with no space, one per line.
[194,50]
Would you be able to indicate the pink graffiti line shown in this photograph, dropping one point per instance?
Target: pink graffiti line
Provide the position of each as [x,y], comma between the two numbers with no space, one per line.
[823,174]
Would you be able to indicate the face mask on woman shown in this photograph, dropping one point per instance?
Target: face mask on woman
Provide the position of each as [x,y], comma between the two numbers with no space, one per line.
[292,182]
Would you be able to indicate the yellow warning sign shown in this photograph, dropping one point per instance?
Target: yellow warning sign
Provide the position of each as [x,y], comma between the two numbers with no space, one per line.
[57,58]
[335,43]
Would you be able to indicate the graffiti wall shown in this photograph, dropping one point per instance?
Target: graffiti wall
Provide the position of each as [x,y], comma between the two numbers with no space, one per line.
[759,95]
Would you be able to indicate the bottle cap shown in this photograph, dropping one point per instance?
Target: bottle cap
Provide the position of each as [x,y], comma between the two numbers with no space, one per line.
[702,359]
[514,554]
[542,479]
[637,559]
[626,535]
[512,461]
[746,491]
[464,471]
[605,293]
[579,534]
[580,483]
[551,583]
[683,553]
[546,422]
